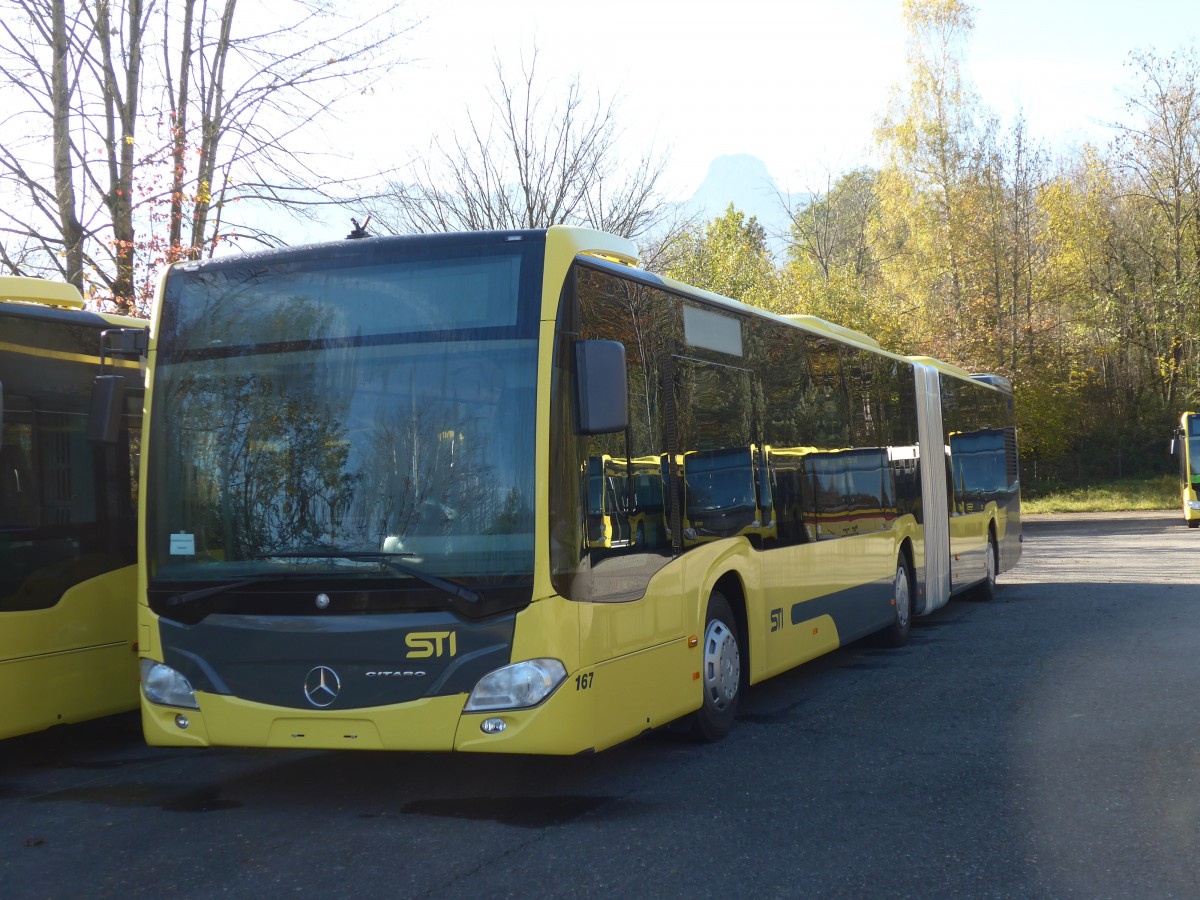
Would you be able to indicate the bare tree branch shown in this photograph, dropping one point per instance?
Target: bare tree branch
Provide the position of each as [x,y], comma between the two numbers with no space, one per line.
[535,163]
[137,130]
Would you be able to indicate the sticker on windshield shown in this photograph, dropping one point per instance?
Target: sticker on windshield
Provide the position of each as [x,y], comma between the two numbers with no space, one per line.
[183,544]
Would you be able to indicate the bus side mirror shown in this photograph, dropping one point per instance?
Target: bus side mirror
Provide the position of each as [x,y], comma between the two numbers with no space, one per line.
[602,392]
[108,402]
[108,391]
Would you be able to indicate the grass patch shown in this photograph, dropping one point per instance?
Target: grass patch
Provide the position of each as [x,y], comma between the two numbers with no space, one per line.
[1160,492]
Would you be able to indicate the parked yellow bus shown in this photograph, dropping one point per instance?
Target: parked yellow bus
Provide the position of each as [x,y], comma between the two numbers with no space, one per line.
[321,567]
[67,514]
[1185,444]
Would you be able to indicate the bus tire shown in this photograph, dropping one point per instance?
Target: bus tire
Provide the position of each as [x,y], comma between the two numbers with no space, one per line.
[896,634]
[987,588]
[720,672]
[1193,523]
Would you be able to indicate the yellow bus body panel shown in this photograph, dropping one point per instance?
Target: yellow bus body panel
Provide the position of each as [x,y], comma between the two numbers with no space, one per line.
[631,665]
[969,540]
[72,661]
[597,707]
[796,577]
[1189,497]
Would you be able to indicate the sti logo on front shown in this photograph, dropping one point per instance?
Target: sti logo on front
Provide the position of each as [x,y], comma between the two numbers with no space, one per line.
[424,644]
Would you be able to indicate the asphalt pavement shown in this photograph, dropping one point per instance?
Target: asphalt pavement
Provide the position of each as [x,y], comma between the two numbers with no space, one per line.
[1045,744]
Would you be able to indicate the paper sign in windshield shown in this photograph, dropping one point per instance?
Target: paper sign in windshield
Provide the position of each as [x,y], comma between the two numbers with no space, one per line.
[183,544]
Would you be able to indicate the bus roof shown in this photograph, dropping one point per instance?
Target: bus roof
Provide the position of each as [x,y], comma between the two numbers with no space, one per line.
[600,244]
[841,331]
[997,381]
[58,295]
[942,366]
[20,289]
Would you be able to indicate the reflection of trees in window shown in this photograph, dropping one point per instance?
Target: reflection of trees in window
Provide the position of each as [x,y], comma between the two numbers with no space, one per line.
[627,509]
[715,406]
[825,409]
[783,379]
[882,398]
[422,475]
[280,459]
[646,321]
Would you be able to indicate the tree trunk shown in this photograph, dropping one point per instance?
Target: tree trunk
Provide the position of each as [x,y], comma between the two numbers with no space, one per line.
[64,186]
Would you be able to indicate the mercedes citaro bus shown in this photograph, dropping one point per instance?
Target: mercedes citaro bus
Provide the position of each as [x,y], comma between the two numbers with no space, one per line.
[375,471]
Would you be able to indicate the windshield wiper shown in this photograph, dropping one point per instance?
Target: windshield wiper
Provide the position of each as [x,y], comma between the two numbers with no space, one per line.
[200,593]
[387,559]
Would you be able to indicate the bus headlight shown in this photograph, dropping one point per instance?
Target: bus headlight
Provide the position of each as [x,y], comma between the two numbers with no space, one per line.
[166,687]
[1193,504]
[519,685]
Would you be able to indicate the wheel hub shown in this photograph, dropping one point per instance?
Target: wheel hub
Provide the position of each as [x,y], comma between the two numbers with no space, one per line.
[722,664]
[903,602]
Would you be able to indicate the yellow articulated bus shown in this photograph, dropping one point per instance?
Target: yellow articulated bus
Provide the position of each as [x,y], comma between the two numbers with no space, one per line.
[1185,444]
[321,567]
[68,500]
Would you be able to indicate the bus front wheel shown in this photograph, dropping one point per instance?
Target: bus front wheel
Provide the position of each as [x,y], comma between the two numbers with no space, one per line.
[721,672]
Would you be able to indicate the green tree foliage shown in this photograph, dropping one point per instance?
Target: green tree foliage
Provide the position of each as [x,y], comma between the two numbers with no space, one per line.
[728,256]
[932,158]
[833,268]
[1077,277]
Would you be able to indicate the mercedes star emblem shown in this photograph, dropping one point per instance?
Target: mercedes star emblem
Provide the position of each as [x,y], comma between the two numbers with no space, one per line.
[321,686]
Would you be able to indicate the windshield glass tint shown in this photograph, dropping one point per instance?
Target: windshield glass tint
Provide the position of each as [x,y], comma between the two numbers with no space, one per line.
[281,304]
[324,418]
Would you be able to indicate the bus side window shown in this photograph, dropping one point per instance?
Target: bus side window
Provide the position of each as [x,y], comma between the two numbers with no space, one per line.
[18,486]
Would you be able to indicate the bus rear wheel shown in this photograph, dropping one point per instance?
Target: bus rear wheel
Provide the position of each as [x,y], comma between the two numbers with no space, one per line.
[987,588]
[896,634]
[720,673]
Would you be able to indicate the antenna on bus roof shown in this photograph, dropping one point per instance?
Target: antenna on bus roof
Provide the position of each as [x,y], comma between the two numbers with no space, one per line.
[360,231]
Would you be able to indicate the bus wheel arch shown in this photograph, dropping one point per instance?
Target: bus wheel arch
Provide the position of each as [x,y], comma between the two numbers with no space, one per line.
[724,660]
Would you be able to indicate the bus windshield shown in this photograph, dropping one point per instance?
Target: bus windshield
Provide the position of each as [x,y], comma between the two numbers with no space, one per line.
[378,403]
[1193,439]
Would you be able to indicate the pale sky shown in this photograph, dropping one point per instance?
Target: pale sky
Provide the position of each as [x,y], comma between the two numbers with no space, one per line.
[798,83]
